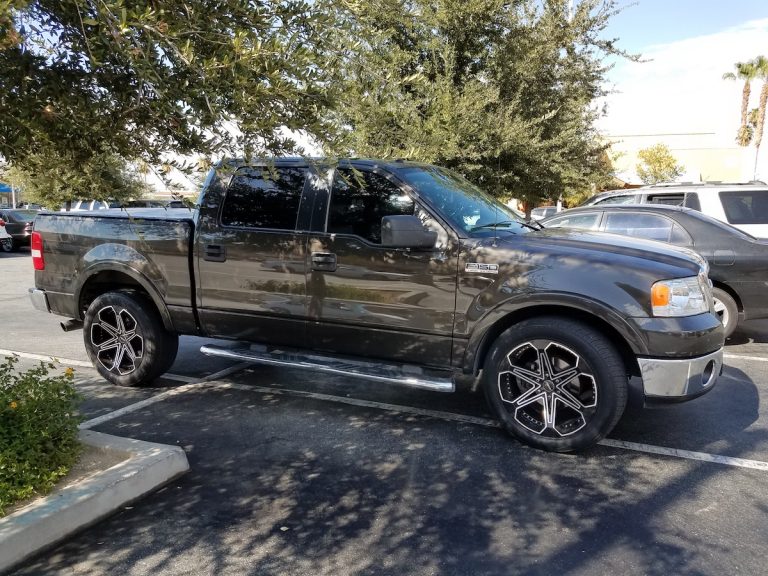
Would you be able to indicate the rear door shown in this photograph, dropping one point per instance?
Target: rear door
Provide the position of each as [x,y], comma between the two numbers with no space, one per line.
[375,301]
[251,259]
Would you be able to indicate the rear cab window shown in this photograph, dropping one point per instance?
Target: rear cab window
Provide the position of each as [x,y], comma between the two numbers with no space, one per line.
[264,197]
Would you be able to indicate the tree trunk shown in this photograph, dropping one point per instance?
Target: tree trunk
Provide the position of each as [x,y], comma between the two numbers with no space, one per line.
[761,114]
[745,103]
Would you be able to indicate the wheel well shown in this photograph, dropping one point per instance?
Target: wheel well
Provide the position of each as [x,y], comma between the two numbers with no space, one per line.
[622,347]
[108,281]
[729,290]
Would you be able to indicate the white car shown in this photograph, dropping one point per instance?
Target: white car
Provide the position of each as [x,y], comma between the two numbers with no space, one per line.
[744,206]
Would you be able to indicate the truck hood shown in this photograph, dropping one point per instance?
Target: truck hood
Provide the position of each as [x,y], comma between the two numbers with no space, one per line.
[662,252]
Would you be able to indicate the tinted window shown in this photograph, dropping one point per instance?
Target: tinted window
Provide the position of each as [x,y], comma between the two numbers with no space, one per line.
[587,221]
[359,200]
[264,198]
[692,201]
[746,207]
[648,226]
[624,199]
[670,199]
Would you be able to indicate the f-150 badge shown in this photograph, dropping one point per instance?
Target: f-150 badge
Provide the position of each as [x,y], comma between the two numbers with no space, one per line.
[479,267]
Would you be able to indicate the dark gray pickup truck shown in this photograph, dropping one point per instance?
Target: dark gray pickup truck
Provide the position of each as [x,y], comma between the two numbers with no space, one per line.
[396,272]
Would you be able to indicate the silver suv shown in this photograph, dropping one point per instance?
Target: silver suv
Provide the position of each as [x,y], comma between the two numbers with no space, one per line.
[744,206]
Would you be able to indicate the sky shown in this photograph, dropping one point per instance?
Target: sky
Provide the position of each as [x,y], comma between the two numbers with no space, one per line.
[688,45]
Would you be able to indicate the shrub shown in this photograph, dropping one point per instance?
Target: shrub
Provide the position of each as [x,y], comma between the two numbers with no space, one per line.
[38,429]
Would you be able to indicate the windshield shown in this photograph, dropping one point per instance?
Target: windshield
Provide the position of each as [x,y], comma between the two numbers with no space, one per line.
[23,215]
[462,203]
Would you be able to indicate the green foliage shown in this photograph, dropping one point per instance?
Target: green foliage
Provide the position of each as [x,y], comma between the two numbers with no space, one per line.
[38,430]
[504,92]
[657,164]
[84,80]
[53,181]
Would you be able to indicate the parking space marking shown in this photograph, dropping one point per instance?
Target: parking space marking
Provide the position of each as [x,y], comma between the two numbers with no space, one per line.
[744,357]
[687,454]
[210,381]
[43,358]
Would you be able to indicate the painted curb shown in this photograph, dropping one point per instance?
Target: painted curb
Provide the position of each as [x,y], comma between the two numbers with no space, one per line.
[43,524]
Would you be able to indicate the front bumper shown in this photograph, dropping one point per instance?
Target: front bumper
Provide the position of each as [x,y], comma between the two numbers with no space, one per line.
[679,379]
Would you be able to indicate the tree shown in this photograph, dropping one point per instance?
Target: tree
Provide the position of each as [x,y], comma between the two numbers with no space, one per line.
[81,80]
[657,164]
[501,91]
[747,72]
[761,66]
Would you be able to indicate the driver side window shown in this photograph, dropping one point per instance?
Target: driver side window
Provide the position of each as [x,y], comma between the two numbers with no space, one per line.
[359,200]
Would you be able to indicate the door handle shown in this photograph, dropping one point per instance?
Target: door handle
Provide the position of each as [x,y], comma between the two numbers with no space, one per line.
[324,261]
[214,253]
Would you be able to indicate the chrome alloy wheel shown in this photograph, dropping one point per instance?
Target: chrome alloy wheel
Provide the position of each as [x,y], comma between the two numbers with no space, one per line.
[548,388]
[116,340]
[721,310]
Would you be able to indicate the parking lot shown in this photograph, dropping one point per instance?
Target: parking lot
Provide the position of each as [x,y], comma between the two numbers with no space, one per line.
[298,473]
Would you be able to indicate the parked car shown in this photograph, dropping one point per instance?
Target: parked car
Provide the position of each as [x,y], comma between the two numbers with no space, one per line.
[738,262]
[18,223]
[398,272]
[744,206]
[90,205]
[6,240]
[543,212]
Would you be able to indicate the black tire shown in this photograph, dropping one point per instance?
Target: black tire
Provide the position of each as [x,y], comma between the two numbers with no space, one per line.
[8,245]
[126,340]
[526,374]
[726,309]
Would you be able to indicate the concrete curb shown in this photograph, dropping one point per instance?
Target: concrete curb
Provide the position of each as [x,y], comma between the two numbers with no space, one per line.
[42,524]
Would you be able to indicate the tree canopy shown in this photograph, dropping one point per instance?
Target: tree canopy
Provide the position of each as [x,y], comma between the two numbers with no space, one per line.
[657,164]
[83,79]
[503,91]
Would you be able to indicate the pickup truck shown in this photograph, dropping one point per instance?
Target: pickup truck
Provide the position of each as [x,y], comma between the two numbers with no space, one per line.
[397,272]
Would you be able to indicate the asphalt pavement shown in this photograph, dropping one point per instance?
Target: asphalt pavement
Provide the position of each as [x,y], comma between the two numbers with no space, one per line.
[293,472]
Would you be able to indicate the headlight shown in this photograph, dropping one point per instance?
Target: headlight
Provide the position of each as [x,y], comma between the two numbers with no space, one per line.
[679,297]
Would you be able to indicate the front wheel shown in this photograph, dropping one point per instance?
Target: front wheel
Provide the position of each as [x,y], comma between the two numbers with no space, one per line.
[126,340]
[726,309]
[555,383]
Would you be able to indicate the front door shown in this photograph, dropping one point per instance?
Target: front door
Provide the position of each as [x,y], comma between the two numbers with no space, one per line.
[374,301]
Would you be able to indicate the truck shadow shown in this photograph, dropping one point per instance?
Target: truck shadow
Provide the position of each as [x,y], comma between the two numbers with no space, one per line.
[286,484]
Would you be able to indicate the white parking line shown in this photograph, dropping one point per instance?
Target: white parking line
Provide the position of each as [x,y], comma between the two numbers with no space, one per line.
[43,358]
[210,382]
[743,357]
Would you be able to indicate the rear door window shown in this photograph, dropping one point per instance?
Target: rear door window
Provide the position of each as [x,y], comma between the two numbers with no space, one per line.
[745,206]
[647,226]
[260,197]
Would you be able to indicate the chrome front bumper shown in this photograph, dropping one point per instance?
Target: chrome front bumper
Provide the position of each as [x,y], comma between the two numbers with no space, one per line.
[679,379]
[39,299]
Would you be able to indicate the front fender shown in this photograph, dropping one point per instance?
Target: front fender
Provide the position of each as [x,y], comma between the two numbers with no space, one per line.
[512,310]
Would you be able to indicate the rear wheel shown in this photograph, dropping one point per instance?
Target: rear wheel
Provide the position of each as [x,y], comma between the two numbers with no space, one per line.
[126,340]
[555,383]
[7,245]
[726,309]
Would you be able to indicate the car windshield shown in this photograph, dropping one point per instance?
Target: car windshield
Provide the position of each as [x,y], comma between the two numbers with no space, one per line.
[465,205]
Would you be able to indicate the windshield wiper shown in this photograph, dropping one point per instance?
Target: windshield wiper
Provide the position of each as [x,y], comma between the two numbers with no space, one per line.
[505,223]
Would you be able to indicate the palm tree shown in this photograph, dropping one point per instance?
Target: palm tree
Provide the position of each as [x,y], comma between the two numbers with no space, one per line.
[744,71]
[761,71]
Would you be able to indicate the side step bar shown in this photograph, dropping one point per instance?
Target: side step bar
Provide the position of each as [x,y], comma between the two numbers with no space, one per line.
[401,374]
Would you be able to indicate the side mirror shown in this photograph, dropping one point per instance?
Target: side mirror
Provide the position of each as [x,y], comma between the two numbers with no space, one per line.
[406,232]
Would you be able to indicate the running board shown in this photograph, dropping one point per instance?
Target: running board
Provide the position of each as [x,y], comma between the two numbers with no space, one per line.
[402,374]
